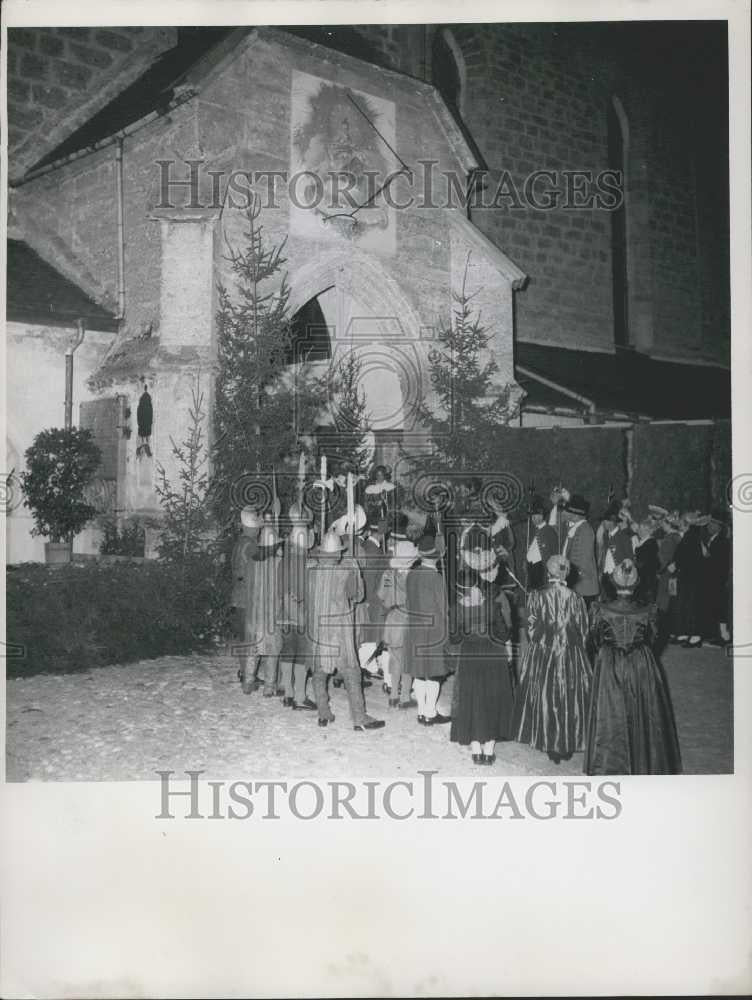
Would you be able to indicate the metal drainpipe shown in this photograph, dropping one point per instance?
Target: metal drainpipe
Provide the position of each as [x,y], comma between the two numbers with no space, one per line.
[120,227]
[80,332]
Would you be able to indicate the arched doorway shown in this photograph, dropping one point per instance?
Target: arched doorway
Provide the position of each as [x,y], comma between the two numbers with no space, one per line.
[353,308]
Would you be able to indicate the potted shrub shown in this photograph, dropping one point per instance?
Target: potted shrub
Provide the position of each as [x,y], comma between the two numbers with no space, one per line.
[59,466]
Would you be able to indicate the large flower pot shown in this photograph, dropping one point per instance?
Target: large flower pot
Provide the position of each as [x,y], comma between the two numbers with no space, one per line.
[57,552]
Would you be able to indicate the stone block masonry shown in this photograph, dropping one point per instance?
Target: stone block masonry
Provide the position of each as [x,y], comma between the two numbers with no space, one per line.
[59,77]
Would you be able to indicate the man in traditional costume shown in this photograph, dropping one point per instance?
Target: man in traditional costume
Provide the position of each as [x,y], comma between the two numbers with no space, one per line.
[392,594]
[427,632]
[333,587]
[544,544]
[614,543]
[579,548]
[242,554]
[263,632]
[295,652]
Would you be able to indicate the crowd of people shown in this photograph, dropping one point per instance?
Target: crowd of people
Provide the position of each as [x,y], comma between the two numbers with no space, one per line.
[376,592]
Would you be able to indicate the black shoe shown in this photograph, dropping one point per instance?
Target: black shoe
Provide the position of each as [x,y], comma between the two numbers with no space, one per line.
[478,758]
[371,724]
[438,720]
[306,706]
[555,758]
[325,721]
[488,758]
[288,702]
[422,720]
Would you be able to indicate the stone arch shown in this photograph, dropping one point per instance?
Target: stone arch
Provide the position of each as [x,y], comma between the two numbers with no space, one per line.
[445,37]
[381,307]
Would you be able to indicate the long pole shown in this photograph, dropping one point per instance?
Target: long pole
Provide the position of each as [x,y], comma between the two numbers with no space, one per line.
[323,496]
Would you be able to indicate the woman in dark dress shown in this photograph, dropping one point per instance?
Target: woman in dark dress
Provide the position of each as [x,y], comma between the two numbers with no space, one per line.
[550,711]
[482,699]
[631,727]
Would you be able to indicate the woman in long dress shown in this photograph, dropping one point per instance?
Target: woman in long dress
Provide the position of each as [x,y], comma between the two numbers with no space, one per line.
[550,711]
[631,727]
[482,699]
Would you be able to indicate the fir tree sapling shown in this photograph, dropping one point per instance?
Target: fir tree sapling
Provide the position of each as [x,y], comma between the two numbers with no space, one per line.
[263,405]
[470,404]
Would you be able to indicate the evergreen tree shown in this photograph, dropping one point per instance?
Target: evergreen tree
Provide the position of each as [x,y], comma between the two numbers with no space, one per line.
[350,414]
[186,518]
[471,404]
[262,404]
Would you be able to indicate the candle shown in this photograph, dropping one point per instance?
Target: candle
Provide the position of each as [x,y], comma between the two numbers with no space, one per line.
[323,497]
[351,510]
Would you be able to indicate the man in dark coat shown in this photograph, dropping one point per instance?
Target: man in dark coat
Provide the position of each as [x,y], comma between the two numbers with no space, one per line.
[616,544]
[544,544]
[579,548]
[243,553]
[717,580]
[427,632]
[333,587]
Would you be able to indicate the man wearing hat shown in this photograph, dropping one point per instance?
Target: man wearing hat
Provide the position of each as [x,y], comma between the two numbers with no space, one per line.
[545,543]
[402,554]
[717,579]
[427,631]
[263,636]
[242,569]
[294,659]
[333,587]
[579,548]
[615,543]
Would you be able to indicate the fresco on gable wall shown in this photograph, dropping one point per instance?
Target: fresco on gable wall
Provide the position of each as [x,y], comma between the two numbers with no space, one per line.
[341,138]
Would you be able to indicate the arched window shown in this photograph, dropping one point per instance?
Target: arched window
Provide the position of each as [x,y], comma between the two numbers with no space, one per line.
[310,334]
[448,69]
[618,149]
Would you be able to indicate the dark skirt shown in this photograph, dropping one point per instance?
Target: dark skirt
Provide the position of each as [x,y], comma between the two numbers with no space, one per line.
[631,726]
[482,701]
[550,711]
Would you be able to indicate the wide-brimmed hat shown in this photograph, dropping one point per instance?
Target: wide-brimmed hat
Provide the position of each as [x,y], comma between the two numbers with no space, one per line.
[331,544]
[558,567]
[657,511]
[299,513]
[577,504]
[612,512]
[251,518]
[625,576]
[301,536]
[268,538]
[427,547]
[696,519]
[537,505]
[399,527]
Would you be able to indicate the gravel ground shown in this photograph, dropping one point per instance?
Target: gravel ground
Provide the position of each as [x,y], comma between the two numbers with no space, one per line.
[188,713]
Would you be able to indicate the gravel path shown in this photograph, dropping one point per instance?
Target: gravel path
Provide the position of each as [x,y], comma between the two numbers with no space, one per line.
[188,713]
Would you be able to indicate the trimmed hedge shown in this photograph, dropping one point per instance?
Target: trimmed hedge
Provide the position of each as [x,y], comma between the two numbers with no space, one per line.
[672,466]
[87,615]
[586,460]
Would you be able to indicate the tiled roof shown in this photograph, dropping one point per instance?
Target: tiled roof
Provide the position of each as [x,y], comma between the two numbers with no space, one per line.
[626,382]
[38,293]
